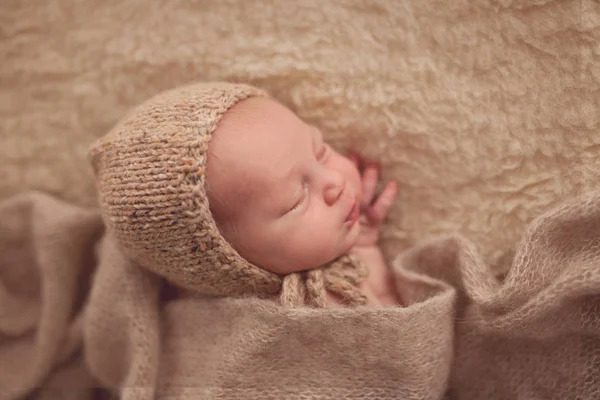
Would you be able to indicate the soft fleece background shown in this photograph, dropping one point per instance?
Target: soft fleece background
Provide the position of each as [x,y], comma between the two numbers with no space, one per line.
[485,111]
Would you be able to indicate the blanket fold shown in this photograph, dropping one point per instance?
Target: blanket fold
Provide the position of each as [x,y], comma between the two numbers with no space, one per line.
[75,316]
[46,252]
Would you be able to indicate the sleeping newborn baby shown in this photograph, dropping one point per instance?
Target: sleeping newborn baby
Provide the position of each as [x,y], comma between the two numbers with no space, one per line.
[273,183]
[223,191]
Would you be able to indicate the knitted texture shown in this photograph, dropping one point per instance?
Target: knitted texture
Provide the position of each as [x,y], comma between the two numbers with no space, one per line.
[341,276]
[151,183]
[463,334]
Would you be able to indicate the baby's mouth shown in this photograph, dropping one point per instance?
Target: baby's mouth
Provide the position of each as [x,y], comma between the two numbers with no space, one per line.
[353,214]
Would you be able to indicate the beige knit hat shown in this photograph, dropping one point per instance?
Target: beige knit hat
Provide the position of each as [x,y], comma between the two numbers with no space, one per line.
[151,184]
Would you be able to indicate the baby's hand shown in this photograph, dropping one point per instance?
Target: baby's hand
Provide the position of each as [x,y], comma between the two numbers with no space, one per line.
[373,210]
[379,288]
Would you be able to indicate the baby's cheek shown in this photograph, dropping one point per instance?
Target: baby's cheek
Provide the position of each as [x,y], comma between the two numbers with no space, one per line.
[311,243]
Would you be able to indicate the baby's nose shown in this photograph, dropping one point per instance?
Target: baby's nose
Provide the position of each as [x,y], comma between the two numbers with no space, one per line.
[334,187]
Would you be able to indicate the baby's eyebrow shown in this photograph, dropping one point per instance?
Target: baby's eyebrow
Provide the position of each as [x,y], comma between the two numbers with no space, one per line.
[316,139]
[289,173]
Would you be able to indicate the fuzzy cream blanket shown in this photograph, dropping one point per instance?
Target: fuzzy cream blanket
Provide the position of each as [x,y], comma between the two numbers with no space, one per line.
[76,317]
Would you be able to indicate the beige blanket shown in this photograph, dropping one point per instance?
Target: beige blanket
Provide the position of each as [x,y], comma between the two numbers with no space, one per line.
[486,111]
[75,316]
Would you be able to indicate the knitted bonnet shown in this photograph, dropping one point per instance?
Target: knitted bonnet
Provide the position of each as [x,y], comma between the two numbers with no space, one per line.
[151,178]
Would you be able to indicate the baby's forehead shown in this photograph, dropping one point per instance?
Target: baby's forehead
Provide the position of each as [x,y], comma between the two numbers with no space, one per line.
[255,145]
[262,177]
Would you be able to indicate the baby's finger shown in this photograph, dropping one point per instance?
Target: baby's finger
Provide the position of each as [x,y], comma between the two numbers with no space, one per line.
[384,202]
[369,184]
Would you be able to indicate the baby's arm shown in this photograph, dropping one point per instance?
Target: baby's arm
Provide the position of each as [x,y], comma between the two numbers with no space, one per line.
[379,286]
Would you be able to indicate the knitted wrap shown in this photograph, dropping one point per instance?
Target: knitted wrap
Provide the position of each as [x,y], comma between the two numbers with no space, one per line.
[151,185]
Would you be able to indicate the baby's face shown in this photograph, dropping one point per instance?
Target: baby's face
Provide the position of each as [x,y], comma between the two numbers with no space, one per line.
[283,198]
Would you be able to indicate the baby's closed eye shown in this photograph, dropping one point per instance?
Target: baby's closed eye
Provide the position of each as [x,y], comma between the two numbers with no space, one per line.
[302,199]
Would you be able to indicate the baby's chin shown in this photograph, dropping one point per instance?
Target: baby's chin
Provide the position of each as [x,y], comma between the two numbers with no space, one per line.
[350,238]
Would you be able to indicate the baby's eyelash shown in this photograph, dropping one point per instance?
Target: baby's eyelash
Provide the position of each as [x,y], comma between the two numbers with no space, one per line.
[304,196]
